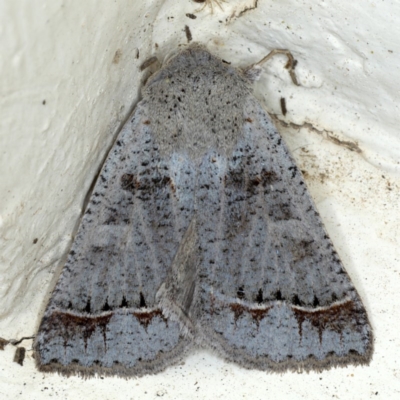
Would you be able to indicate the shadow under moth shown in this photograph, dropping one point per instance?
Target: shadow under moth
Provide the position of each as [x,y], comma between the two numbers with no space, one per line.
[200,231]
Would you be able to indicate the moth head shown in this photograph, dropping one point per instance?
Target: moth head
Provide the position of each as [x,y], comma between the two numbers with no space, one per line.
[252,73]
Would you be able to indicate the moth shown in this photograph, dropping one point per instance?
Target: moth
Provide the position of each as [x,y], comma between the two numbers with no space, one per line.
[200,231]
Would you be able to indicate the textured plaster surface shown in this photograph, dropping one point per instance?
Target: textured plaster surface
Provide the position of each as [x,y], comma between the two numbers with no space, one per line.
[70,77]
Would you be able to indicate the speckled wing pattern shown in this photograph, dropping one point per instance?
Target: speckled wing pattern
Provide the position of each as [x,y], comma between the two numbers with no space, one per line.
[286,301]
[103,316]
[200,229]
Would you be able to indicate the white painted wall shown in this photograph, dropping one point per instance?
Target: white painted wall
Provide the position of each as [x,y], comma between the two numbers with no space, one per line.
[69,78]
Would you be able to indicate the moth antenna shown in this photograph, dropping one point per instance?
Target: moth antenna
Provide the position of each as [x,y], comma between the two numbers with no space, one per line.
[252,71]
